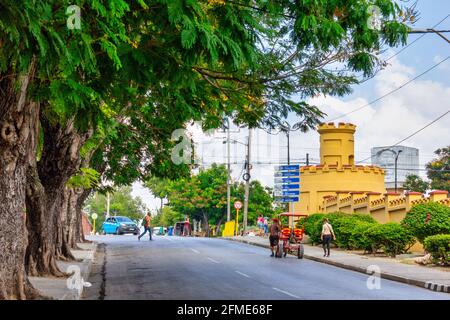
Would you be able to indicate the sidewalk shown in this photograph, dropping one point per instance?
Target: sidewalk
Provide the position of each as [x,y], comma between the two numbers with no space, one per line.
[72,287]
[392,269]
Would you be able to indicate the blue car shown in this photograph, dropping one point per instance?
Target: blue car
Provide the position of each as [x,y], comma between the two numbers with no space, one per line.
[120,225]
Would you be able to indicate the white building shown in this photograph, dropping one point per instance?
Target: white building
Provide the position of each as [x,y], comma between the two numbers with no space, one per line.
[407,163]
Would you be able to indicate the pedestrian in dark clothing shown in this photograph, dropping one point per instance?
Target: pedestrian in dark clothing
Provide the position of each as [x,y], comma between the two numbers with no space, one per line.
[274,235]
[147,227]
[326,236]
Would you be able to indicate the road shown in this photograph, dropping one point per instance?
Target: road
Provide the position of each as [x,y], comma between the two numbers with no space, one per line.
[203,269]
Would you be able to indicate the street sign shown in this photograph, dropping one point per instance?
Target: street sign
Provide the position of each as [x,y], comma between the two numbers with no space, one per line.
[287,199]
[287,193]
[237,205]
[287,183]
[287,180]
[94,216]
[287,173]
[288,167]
[286,186]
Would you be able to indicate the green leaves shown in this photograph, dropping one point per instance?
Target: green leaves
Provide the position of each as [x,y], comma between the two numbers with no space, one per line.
[438,170]
[87,178]
[188,38]
[428,219]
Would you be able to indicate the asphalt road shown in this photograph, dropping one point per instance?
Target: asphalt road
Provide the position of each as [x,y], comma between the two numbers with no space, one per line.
[203,269]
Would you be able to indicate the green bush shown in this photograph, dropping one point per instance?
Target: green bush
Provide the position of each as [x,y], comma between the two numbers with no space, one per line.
[439,248]
[391,237]
[357,238]
[342,223]
[313,226]
[439,222]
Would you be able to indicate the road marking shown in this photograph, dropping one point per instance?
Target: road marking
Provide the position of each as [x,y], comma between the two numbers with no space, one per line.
[285,292]
[211,259]
[195,250]
[242,274]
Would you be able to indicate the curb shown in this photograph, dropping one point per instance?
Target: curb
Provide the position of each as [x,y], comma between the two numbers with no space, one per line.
[89,262]
[71,295]
[419,283]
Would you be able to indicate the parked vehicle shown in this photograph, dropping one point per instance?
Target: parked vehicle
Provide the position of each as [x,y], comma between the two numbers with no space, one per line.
[178,229]
[120,225]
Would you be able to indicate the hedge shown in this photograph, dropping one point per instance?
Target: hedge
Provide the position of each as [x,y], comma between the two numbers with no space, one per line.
[360,231]
[391,237]
[343,224]
[357,239]
[438,223]
[439,248]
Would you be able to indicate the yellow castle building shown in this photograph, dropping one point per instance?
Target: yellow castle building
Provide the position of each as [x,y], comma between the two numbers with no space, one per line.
[338,184]
[337,172]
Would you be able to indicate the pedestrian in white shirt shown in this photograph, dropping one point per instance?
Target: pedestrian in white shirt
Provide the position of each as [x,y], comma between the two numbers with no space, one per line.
[326,236]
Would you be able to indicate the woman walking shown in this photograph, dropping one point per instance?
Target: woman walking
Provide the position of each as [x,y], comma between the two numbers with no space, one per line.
[326,236]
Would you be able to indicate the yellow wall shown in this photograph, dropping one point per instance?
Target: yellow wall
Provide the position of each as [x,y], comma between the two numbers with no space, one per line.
[317,182]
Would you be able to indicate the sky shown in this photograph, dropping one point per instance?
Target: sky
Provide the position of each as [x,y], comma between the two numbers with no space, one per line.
[383,123]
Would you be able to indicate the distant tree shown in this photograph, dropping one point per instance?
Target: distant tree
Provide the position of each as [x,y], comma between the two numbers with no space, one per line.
[415,183]
[122,203]
[438,170]
[158,187]
[167,217]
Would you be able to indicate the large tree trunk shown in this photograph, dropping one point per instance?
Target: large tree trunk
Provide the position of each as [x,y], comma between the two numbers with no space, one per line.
[218,225]
[206,223]
[59,161]
[79,234]
[73,228]
[70,218]
[19,127]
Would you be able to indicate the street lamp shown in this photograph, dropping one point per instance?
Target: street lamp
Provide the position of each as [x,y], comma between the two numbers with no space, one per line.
[396,154]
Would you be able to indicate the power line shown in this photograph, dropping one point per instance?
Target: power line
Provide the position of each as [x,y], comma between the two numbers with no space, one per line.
[414,133]
[410,44]
[390,92]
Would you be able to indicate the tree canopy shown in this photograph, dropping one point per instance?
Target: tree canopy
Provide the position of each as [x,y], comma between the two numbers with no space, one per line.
[203,197]
[415,183]
[438,170]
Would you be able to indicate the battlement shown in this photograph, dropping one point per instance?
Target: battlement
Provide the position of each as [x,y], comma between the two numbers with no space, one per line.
[345,168]
[341,126]
[389,206]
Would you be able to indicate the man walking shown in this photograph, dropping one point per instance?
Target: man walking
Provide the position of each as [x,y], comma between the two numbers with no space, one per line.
[326,236]
[146,224]
[274,235]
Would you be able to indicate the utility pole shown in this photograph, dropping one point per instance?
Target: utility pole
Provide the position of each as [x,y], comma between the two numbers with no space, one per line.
[396,159]
[396,154]
[247,179]
[288,148]
[107,204]
[228,172]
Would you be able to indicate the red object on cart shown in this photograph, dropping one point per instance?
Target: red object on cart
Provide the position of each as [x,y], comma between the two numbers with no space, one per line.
[290,242]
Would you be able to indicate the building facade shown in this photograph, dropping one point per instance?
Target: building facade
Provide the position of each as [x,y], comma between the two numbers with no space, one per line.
[407,163]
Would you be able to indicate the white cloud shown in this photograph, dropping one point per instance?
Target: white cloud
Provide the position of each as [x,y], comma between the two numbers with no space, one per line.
[445,66]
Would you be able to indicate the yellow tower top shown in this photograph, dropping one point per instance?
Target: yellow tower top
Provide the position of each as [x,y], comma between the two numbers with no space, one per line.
[337,145]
